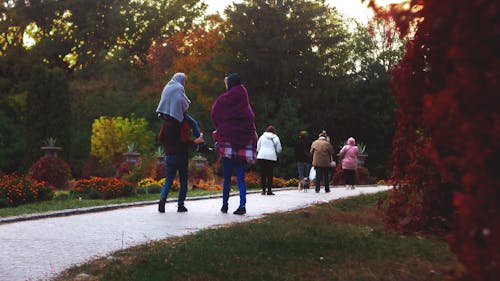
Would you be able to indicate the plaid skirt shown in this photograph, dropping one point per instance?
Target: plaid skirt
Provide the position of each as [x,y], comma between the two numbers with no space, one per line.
[247,153]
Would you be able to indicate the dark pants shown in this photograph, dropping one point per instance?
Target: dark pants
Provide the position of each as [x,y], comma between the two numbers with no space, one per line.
[349,176]
[174,163]
[266,174]
[322,174]
[303,168]
[228,165]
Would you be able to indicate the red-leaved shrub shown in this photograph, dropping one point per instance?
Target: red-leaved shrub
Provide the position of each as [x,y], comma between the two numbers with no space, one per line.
[445,174]
[53,170]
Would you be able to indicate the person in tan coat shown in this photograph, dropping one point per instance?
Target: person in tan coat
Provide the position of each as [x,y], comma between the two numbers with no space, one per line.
[322,152]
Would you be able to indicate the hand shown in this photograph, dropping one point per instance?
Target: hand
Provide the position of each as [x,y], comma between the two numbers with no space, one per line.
[198,140]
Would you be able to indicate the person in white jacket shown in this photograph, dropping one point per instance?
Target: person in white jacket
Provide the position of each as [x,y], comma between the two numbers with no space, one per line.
[268,149]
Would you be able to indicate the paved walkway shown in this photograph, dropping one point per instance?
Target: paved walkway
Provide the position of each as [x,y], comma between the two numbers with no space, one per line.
[40,249]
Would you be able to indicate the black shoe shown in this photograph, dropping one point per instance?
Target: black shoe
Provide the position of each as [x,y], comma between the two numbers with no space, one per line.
[270,193]
[161,205]
[181,209]
[203,148]
[327,190]
[263,192]
[224,209]
[240,211]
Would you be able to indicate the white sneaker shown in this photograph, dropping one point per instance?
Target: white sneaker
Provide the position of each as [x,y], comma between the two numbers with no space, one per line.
[346,186]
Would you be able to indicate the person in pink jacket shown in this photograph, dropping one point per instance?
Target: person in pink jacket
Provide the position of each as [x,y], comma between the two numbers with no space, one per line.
[349,155]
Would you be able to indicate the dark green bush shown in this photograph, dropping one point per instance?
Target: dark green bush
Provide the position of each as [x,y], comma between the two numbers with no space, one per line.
[142,190]
[154,188]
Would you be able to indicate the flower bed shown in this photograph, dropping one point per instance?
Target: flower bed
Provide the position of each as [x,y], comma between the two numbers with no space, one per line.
[103,188]
[292,182]
[16,190]
[252,180]
[148,182]
[205,185]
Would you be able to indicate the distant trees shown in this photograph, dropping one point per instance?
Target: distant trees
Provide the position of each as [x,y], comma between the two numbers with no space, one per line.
[102,45]
[76,34]
[305,68]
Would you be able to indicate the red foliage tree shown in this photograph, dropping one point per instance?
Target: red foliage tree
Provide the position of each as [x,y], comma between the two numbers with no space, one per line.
[187,52]
[448,129]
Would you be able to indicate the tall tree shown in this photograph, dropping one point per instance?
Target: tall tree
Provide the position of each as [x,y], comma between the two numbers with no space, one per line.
[11,144]
[198,52]
[48,110]
[283,49]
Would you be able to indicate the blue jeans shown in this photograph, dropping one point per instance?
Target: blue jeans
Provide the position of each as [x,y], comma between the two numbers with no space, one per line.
[303,168]
[228,165]
[174,163]
[193,124]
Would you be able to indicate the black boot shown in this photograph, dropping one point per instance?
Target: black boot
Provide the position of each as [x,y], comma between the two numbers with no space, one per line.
[240,211]
[161,205]
[263,191]
[224,209]
[181,209]
[269,192]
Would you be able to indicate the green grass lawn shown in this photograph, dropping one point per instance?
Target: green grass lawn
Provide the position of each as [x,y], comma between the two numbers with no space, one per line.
[342,240]
[63,201]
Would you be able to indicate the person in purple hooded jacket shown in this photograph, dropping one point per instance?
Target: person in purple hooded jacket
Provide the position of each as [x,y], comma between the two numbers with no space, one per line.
[235,136]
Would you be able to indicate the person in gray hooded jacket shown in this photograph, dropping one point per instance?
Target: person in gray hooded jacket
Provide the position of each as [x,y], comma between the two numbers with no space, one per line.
[268,149]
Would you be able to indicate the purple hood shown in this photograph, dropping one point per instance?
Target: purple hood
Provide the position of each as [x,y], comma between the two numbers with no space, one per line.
[233,118]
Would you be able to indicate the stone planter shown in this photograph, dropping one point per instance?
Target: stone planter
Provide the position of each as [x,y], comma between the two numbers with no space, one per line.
[132,157]
[160,160]
[51,151]
[200,162]
[361,159]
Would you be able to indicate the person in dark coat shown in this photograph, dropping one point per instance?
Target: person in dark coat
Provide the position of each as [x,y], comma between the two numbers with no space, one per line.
[302,155]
